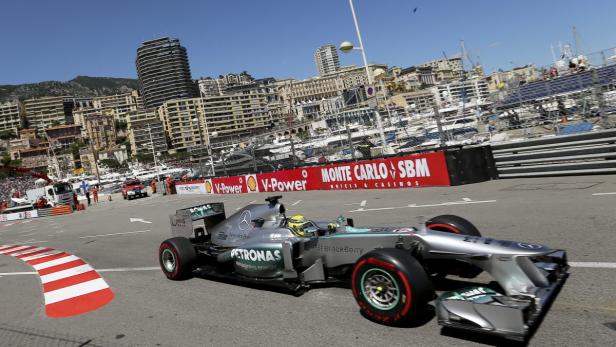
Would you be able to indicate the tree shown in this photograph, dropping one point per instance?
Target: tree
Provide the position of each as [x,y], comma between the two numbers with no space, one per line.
[7,135]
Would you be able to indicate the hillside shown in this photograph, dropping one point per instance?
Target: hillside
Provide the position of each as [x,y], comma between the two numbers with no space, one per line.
[82,86]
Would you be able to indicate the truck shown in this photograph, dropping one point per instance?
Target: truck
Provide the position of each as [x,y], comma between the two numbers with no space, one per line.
[59,193]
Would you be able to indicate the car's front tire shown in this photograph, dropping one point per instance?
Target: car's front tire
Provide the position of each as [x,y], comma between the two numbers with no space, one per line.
[177,257]
[457,225]
[390,286]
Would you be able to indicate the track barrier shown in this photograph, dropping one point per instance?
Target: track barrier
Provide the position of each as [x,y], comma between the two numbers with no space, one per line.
[442,168]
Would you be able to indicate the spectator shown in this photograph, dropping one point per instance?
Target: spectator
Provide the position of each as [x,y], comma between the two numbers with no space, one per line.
[95,194]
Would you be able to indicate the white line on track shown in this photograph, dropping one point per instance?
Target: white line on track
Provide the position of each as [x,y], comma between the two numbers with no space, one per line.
[611,193]
[427,205]
[295,203]
[466,199]
[363,203]
[34,241]
[593,265]
[124,233]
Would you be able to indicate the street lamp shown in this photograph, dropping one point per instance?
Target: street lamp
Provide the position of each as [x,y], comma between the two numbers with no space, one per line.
[346,47]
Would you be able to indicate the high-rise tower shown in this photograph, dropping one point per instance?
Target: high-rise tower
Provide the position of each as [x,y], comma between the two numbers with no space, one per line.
[164,72]
[326,58]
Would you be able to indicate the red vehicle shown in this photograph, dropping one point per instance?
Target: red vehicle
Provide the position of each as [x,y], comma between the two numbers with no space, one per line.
[133,189]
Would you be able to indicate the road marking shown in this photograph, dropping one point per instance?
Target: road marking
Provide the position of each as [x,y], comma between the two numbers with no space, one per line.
[59,261]
[362,203]
[70,286]
[593,265]
[35,249]
[612,193]
[42,255]
[141,220]
[466,199]
[253,201]
[295,203]
[425,205]
[11,249]
[77,270]
[124,233]
[75,290]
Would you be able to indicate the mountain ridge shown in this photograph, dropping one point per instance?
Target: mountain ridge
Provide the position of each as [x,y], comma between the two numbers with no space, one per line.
[80,86]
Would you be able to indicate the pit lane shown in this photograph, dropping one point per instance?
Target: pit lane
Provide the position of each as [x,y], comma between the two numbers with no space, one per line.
[121,239]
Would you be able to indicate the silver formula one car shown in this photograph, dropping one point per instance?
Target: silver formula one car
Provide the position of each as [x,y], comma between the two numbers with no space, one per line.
[390,269]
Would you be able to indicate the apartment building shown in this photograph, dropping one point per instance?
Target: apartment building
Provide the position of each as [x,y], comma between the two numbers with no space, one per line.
[416,102]
[63,136]
[41,113]
[118,105]
[457,91]
[100,129]
[145,127]
[10,116]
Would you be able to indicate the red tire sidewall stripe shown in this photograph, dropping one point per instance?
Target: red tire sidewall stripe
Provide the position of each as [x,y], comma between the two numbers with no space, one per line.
[446,226]
[354,278]
[407,305]
[175,255]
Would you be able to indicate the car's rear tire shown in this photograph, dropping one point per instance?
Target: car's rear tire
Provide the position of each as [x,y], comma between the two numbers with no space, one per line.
[457,225]
[390,286]
[177,257]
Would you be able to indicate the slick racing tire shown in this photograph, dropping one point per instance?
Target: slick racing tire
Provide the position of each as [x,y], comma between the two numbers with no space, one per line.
[177,257]
[457,225]
[390,286]
[452,224]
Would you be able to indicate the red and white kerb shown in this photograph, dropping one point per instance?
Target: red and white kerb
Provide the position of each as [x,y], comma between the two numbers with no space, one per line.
[70,286]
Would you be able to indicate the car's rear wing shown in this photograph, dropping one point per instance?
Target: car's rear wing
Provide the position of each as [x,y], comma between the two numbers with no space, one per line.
[182,220]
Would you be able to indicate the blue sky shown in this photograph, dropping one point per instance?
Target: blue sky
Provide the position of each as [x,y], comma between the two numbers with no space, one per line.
[58,40]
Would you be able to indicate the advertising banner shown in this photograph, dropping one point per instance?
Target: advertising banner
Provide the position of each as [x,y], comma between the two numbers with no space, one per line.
[289,180]
[416,170]
[193,187]
[229,185]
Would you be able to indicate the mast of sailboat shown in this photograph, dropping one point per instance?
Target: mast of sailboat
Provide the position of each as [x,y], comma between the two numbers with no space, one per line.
[290,122]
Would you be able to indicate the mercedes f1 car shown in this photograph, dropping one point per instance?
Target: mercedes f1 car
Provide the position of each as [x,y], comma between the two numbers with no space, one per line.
[391,270]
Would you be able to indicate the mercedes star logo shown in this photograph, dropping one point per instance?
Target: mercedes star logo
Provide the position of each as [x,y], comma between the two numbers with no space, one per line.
[245,220]
[528,245]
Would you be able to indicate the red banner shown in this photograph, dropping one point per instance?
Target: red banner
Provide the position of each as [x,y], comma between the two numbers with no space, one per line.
[415,170]
[401,172]
[228,185]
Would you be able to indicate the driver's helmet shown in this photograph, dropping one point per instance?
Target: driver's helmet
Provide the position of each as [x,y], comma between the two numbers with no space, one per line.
[296,224]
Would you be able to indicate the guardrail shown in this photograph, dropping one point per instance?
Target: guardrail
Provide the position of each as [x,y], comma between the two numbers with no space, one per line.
[577,154]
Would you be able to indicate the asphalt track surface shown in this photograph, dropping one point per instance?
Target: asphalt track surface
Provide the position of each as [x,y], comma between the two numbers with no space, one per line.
[149,310]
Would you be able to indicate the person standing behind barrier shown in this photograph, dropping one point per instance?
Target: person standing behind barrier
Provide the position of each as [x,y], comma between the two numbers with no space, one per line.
[169,183]
[154,185]
[95,194]
[88,196]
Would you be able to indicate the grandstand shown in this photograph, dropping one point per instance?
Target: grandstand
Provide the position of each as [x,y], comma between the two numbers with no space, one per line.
[577,82]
